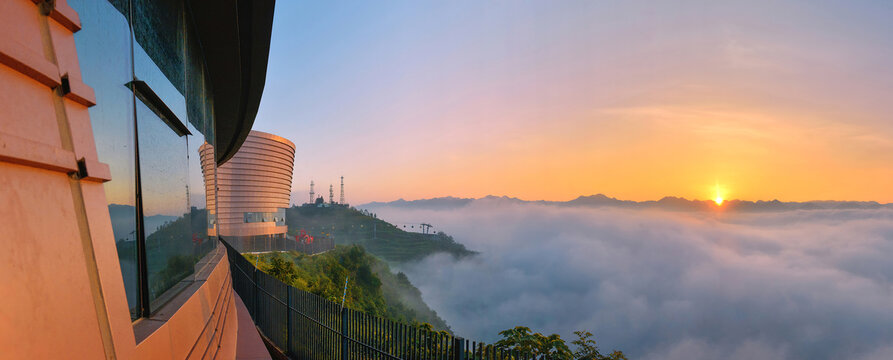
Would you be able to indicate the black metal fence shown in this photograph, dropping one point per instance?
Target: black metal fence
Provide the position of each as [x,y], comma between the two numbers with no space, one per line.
[306,326]
[252,244]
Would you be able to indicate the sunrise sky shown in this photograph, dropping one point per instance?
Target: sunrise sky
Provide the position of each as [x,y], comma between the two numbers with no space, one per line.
[551,100]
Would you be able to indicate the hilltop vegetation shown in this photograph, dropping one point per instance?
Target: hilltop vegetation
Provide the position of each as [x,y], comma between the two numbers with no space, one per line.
[520,340]
[350,226]
[372,287]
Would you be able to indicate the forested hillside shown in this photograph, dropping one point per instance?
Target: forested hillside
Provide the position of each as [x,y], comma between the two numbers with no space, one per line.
[372,287]
[351,226]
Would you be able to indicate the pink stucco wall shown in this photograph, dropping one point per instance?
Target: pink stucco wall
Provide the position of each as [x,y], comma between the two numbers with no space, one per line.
[63,293]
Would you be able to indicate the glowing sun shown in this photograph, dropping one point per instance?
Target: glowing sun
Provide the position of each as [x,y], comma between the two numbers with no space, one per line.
[718,198]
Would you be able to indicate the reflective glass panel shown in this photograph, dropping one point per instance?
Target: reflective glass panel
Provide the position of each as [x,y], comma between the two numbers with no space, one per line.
[166,214]
[197,194]
[168,63]
[103,46]
[277,217]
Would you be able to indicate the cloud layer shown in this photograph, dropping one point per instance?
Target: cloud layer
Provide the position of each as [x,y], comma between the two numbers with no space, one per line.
[663,285]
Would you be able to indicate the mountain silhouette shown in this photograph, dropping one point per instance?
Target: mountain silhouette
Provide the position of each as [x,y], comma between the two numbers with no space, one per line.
[671,203]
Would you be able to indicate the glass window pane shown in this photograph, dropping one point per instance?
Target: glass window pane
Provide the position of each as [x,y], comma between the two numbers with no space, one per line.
[170,256]
[198,202]
[103,46]
[179,218]
[158,27]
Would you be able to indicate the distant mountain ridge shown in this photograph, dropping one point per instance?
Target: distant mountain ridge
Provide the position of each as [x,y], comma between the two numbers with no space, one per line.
[124,219]
[667,203]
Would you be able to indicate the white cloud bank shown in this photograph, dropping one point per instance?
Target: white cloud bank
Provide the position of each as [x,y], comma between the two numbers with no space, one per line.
[664,285]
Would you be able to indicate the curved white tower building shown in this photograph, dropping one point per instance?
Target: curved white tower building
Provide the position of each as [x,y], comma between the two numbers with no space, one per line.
[253,191]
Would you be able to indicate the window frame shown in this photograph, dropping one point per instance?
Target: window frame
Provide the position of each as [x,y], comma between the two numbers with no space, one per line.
[143,92]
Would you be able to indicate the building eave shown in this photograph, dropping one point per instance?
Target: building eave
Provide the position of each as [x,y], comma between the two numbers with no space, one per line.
[237,69]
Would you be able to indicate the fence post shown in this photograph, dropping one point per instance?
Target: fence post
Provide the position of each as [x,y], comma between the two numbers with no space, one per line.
[254,288]
[287,319]
[343,333]
[458,348]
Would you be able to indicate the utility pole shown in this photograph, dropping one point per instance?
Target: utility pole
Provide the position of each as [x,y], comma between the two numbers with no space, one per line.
[312,199]
[344,295]
[342,190]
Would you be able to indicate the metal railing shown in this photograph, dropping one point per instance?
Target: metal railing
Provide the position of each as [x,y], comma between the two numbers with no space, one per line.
[254,245]
[306,326]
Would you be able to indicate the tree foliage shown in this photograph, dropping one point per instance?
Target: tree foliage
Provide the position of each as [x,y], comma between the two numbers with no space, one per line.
[282,269]
[520,340]
[371,286]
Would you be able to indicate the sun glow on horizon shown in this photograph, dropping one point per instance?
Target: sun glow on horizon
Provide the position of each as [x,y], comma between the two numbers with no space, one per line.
[718,198]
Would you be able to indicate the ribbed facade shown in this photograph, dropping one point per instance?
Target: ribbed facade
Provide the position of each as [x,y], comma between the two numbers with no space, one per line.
[253,188]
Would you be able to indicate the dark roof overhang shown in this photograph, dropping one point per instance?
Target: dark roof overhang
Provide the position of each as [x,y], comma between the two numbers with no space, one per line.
[235,40]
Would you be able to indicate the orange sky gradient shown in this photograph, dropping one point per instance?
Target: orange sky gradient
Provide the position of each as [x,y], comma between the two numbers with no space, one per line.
[635,101]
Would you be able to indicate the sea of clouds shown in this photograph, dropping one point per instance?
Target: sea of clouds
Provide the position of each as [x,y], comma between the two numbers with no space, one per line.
[668,285]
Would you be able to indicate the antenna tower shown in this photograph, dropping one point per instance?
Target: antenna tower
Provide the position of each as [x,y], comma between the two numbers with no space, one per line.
[331,194]
[312,193]
[342,190]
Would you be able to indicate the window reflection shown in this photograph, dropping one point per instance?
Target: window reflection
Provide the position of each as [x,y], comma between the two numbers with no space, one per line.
[171,179]
[177,218]
[277,217]
[103,46]
[166,214]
